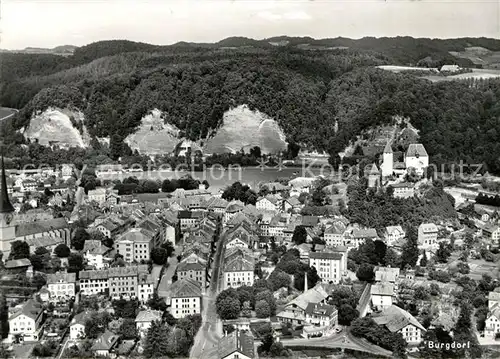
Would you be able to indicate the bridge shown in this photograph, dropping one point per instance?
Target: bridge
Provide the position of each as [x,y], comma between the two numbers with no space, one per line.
[338,341]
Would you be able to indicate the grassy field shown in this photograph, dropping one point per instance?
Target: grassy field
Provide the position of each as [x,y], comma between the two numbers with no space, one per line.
[6,112]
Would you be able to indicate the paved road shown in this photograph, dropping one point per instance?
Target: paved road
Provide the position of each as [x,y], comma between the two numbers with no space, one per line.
[205,342]
[169,272]
[343,340]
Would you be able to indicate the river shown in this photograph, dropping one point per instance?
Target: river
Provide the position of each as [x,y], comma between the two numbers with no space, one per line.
[219,179]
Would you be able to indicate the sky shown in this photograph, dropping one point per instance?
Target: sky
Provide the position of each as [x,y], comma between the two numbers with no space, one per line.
[49,23]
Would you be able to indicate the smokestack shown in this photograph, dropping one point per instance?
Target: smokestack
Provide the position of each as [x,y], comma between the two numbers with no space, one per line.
[306,286]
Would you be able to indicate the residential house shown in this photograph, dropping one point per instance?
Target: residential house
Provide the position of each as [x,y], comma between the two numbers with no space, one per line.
[119,281]
[237,345]
[145,318]
[97,195]
[105,344]
[61,286]
[295,311]
[189,219]
[403,190]
[322,315]
[383,295]
[492,323]
[398,320]
[145,287]
[491,232]
[292,204]
[135,245]
[26,322]
[268,203]
[232,209]
[238,272]
[94,252]
[355,236]
[193,269]
[334,234]
[77,326]
[427,236]
[393,234]
[184,298]
[493,299]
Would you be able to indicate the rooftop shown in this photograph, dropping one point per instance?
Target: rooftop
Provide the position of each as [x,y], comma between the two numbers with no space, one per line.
[238,341]
[395,319]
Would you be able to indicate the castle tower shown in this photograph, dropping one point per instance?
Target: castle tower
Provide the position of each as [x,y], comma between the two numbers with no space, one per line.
[387,161]
[7,229]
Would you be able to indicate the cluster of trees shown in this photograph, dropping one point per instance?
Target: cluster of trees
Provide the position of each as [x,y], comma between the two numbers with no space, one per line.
[489,200]
[163,339]
[291,264]
[231,303]
[380,209]
[241,192]
[346,300]
[303,90]
[269,347]
[379,335]
[160,255]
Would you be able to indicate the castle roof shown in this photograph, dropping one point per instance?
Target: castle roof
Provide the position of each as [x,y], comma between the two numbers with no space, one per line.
[388,148]
[416,150]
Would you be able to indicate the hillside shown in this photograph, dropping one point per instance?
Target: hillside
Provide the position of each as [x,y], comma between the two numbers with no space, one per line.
[243,129]
[57,126]
[153,136]
[116,84]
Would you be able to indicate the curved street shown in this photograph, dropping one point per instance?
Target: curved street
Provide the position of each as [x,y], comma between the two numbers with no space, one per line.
[343,340]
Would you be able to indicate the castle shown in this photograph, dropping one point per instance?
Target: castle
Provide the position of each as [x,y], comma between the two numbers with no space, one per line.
[416,157]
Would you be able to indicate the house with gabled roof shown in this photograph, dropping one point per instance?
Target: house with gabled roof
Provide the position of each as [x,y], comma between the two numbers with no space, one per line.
[392,234]
[26,322]
[236,345]
[77,325]
[144,319]
[184,298]
[398,320]
[268,203]
[105,344]
[334,234]
[238,272]
[295,311]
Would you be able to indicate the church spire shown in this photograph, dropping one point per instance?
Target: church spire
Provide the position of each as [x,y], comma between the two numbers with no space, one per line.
[5,205]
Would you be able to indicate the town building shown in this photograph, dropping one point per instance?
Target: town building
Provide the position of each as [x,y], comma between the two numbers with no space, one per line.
[105,344]
[398,320]
[330,266]
[294,312]
[403,190]
[77,326]
[184,298]
[238,272]
[427,236]
[97,195]
[145,318]
[61,286]
[321,315]
[268,203]
[237,345]
[145,287]
[193,269]
[135,245]
[393,234]
[355,236]
[334,234]
[26,322]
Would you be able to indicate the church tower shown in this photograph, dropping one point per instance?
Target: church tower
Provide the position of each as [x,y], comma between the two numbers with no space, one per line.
[387,161]
[7,228]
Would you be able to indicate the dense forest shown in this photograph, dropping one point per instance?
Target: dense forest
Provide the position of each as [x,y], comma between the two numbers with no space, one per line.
[115,83]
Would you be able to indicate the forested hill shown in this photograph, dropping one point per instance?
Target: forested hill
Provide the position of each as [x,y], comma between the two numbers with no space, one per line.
[304,84]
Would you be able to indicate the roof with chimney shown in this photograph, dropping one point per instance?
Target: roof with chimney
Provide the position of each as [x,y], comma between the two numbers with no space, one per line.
[148,316]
